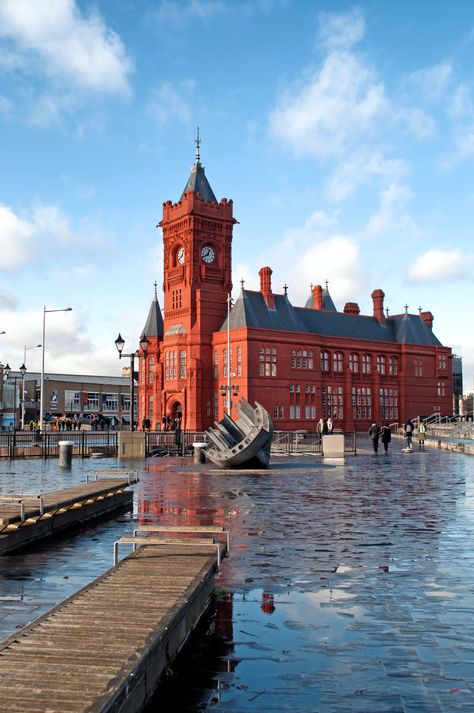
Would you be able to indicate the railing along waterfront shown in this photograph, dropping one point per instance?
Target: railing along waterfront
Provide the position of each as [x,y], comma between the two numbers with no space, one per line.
[27,444]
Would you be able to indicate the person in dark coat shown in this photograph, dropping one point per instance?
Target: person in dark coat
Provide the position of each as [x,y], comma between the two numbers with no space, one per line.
[408,428]
[386,436]
[374,433]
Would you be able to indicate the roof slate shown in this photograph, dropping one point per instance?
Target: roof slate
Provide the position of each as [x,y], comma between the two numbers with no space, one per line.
[198,183]
[250,310]
[154,322]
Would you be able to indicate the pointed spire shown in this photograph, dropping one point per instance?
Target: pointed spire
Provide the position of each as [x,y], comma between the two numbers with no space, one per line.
[197,181]
[154,322]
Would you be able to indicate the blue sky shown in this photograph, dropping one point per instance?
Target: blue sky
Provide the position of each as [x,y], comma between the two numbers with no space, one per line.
[343,132]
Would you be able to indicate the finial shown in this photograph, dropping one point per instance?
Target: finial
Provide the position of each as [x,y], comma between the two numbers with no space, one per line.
[156,285]
[311,286]
[197,141]
[419,309]
[406,309]
[327,283]
[285,287]
[386,311]
[242,284]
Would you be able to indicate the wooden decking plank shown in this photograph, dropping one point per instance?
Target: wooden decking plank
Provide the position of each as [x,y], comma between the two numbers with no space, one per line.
[81,654]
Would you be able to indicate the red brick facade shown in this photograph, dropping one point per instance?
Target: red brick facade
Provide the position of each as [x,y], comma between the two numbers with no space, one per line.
[356,375]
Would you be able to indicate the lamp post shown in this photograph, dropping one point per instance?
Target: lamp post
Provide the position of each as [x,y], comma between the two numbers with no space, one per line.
[45,312]
[120,343]
[23,372]
[6,372]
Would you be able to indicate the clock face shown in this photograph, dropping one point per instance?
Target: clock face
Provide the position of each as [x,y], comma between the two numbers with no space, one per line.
[180,256]
[207,253]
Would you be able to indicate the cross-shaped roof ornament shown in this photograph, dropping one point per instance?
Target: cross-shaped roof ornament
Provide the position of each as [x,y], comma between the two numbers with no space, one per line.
[406,309]
[285,287]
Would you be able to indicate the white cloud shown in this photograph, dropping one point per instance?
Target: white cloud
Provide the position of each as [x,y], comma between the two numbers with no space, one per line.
[335,259]
[437,265]
[45,232]
[8,302]
[431,82]
[391,215]
[361,169]
[68,45]
[15,240]
[338,31]
[338,106]
[6,106]
[421,124]
[169,102]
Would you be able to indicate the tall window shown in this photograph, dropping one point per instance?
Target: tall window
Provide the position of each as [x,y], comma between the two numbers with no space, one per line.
[310,401]
[170,365]
[381,364]
[361,403]
[278,411]
[393,366]
[388,404]
[442,361]
[176,299]
[441,388]
[225,362]
[337,362]
[366,364]
[239,361]
[151,369]
[324,359]
[150,407]
[216,365]
[295,403]
[418,367]
[267,361]
[354,363]
[332,402]
[182,364]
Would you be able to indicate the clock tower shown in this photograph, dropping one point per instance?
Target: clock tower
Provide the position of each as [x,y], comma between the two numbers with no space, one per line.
[197,247]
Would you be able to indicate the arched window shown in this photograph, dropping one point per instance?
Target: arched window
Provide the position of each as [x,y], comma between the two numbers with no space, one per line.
[337,362]
[381,364]
[354,363]
[324,361]
[366,364]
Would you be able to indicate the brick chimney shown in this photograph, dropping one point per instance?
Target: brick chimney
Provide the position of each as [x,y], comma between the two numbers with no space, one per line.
[318,297]
[351,308]
[427,318]
[265,274]
[377,298]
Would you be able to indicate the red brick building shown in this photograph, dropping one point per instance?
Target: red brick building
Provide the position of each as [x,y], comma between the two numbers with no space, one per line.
[301,363]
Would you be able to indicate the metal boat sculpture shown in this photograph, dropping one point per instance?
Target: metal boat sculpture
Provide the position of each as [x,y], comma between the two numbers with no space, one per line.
[243,443]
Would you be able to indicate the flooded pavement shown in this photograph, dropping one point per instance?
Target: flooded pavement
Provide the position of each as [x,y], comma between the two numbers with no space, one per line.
[348,587]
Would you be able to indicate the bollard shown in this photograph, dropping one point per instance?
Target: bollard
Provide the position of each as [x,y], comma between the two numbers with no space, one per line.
[65,453]
[199,455]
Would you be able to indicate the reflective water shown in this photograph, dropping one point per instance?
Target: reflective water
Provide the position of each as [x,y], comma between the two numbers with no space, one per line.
[349,587]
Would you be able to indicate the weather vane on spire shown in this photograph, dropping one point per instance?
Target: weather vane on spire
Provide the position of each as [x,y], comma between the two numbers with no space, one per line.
[156,285]
[197,141]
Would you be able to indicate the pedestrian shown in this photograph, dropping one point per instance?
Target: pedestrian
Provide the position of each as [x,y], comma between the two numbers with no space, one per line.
[320,427]
[408,428]
[163,423]
[421,435]
[386,436]
[325,428]
[374,433]
[168,423]
[330,426]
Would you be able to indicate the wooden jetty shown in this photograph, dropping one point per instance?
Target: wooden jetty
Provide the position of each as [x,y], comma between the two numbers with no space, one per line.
[24,519]
[104,649]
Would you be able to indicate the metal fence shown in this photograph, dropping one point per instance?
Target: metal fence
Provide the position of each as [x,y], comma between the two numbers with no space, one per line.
[27,444]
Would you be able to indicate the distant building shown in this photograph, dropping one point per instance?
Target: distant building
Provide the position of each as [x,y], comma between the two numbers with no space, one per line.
[65,394]
[457,383]
[301,363]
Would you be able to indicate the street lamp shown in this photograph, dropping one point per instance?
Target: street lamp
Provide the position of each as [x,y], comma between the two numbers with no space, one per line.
[23,372]
[120,343]
[45,311]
